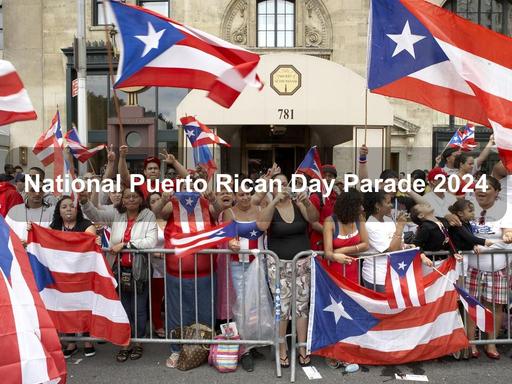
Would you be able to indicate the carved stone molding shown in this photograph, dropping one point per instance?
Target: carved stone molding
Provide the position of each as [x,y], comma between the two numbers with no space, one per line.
[317,25]
[234,22]
[313,26]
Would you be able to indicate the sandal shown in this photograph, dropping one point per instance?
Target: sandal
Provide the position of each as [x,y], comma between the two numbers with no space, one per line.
[285,363]
[304,361]
[136,352]
[122,355]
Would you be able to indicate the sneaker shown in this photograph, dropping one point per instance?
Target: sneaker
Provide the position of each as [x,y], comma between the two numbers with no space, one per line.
[172,361]
[349,367]
[70,352]
[247,362]
[89,351]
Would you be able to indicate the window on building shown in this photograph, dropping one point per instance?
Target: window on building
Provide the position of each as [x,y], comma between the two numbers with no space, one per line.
[158,6]
[99,14]
[276,23]
[488,13]
[1,27]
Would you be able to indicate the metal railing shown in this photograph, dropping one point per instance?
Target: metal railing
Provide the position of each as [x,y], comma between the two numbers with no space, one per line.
[138,338]
[435,256]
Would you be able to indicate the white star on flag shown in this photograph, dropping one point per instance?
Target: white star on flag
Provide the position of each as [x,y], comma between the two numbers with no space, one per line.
[190,133]
[189,201]
[401,265]
[338,310]
[152,40]
[254,233]
[405,41]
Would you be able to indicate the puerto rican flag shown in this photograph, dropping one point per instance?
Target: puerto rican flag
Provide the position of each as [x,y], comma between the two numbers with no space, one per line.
[190,213]
[464,140]
[423,53]
[15,104]
[188,243]
[49,142]
[404,279]
[250,237]
[482,317]
[199,134]
[157,51]
[31,349]
[76,284]
[78,151]
[311,165]
[350,323]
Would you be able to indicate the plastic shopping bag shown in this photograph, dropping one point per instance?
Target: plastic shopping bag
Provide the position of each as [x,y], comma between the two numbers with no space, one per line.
[253,312]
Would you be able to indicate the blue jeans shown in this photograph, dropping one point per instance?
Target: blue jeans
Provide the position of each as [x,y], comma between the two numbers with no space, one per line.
[128,301]
[238,276]
[187,316]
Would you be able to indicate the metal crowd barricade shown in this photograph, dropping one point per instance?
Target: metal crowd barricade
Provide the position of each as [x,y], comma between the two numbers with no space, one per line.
[261,254]
[436,256]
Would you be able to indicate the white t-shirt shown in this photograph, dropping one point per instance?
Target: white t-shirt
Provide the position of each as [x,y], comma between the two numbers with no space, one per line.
[440,205]
[490,229]
[379,237]
[19,215]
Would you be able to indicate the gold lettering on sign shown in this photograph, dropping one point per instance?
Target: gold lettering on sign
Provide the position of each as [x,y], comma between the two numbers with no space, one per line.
[285,80]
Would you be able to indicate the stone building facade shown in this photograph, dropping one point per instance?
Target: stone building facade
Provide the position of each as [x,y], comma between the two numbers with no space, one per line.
[325,41]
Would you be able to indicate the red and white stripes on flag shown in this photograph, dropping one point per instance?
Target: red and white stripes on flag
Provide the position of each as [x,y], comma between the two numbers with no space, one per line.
[404,335]
[30,347]
[475,84]
[79,290]
[482,316]
[48,142]
[15,104]
[80,152]
[404,279]
[204,135]
[186,244]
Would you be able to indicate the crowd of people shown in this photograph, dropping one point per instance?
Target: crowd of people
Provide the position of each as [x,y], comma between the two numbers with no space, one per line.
[343,225]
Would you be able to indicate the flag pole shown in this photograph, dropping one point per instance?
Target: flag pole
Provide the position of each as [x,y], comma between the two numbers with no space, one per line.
[82,79]
[92,166]
[111,74]
[365,114]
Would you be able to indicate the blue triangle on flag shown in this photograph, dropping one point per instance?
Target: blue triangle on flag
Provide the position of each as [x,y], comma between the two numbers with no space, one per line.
[188,200]
[401,261]
[391,21]
[144,37]
[42,274]
[5,252]
[336,315]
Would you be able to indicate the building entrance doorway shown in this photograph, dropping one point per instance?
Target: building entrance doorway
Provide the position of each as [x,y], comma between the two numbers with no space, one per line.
[260,157]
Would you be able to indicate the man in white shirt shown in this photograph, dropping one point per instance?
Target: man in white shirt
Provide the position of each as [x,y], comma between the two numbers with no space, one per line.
[35,210]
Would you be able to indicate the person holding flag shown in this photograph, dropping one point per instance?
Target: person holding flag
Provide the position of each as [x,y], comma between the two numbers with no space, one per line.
[133,227]
[286,218]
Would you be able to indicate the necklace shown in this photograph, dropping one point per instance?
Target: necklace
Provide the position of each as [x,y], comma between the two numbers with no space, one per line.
[40,217]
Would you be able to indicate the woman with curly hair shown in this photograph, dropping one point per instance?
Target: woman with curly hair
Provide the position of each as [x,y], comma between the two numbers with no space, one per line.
[345,234]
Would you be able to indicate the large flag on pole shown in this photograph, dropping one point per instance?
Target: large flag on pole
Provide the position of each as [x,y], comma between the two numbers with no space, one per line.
[350,323]
[15,105]
[76,284]
[424,53]
[31,350]
[157,51]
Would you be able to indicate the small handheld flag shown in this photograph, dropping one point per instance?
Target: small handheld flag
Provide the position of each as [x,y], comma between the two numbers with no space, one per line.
[404,279]
[482,317]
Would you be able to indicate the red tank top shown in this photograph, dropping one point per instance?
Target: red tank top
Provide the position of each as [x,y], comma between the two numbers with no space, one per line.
[351,271]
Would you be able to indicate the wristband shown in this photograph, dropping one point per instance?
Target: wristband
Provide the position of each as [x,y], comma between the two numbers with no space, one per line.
[362,158]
